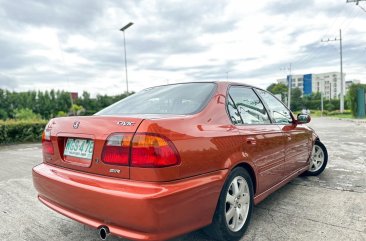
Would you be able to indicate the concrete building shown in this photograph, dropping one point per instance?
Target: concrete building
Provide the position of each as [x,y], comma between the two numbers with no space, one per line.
[327,83]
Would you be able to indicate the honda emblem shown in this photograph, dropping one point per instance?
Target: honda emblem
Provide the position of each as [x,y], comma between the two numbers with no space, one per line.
[76,124]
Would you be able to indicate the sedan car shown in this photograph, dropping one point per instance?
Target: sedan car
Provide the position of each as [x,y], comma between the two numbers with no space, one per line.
[175,158]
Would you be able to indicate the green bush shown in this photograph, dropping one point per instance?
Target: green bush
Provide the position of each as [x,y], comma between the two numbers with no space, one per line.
[3,114]
[26,114]
[13,131]
[329,106]
[61,114]
[334,113]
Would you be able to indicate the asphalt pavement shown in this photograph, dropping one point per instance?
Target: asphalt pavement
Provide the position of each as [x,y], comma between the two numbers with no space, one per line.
[331,206]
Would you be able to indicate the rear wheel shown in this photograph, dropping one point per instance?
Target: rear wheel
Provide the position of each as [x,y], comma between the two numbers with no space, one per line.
[234,209]
[318,159]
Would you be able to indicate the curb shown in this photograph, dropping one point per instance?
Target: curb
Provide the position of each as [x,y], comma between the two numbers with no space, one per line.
[359,121]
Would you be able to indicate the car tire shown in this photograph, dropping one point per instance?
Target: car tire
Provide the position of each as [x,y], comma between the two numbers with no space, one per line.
[234,208]
[318,159]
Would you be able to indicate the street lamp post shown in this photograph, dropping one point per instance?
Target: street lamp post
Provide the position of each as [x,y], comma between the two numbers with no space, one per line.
[289,90]
[227,75]
[341,58]
[124,44]
[289,84]
[322,96]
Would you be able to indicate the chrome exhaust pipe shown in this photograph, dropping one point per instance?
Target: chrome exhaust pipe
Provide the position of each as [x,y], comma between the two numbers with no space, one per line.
[103,232]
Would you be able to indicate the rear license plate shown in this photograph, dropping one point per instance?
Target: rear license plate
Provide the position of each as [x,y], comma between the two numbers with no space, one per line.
[80,148]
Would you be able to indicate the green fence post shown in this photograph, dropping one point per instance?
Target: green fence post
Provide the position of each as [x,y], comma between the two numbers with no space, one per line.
[361,103]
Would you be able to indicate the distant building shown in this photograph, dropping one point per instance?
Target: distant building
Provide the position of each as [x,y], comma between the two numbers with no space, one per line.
[74,95]
[327,83]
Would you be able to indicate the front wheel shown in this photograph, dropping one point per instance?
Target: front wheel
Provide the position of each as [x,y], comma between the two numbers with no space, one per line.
[318,159]
[234,209]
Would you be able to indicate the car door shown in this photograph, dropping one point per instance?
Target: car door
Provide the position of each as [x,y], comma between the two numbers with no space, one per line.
[297,136]
[263,143]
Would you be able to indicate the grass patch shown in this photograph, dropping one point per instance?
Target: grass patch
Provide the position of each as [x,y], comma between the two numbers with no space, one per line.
[347,114]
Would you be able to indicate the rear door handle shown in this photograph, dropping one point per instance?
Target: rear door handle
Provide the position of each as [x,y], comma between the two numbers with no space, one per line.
[251,141]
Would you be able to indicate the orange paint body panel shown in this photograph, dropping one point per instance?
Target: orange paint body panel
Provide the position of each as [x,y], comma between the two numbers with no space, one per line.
[146,203]
[132,209]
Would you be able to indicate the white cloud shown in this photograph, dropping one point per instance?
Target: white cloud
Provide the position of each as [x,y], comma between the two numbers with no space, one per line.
[77,46]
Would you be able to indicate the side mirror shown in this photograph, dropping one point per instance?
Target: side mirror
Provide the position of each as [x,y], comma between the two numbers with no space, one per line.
[303,118]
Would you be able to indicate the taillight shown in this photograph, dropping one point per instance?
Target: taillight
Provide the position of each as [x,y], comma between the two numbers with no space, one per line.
[47,146]
[117,149]
[150,150]
[139,150]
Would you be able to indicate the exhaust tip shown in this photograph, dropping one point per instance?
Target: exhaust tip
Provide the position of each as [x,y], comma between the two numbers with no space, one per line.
[103,233]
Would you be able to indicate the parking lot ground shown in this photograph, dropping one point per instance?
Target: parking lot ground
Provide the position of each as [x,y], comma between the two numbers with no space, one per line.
[331,206]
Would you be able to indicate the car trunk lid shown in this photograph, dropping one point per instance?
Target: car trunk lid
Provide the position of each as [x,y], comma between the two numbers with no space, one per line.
[78,142]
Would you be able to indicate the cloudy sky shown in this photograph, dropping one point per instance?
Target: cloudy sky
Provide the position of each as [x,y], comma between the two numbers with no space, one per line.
[75,45]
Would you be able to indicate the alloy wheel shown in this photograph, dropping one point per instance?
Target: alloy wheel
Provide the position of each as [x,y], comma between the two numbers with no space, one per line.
[237,204]
[317,159]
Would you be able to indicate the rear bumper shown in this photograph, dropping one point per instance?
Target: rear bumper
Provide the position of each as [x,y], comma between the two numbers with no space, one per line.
[130,209]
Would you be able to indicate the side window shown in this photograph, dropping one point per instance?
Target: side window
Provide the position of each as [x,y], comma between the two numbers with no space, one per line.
[233,112]
[249,106]
[279,113]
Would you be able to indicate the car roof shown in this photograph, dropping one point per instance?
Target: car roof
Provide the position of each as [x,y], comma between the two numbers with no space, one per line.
[237,83]
[216,82]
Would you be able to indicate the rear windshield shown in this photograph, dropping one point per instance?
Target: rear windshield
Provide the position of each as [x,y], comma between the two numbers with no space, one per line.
[181,99]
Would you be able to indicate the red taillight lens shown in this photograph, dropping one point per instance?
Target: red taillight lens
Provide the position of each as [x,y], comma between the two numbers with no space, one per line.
[150,150]
[47,146]
[116,150]
[143,149]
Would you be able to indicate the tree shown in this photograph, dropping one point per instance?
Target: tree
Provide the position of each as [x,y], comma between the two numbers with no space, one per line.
[61,114]
[3,114]
[76,109]
[26,114]
[88,103]
[278,89]
[48,104]
[63,102]
[329,106]
[296,99]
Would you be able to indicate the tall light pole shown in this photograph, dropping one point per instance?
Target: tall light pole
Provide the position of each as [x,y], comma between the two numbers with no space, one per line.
[289,84]
[227,75]
[342,78]
[341,65]
[289,89]
[322,96]
[124,44]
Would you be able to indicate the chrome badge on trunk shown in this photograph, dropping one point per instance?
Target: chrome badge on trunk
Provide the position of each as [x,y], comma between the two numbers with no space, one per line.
[125,123]
[114,170]
[76,124]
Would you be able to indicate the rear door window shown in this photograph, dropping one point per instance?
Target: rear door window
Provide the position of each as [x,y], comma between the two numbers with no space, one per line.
[248,106]
[233,112]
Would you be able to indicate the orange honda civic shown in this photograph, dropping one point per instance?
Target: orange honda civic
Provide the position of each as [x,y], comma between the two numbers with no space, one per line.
[175,158]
